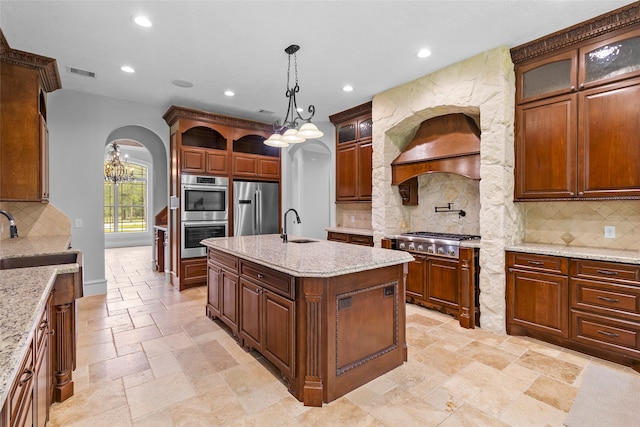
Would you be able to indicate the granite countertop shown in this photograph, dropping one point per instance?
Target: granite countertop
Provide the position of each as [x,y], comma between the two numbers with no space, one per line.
[23,295]
[31,246]
[347,230]
[599,254]
[321,258]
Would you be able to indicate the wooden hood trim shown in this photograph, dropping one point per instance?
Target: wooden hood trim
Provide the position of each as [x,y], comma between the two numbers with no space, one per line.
[449,143]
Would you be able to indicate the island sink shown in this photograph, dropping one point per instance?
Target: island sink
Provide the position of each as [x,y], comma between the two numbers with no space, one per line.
[302,241]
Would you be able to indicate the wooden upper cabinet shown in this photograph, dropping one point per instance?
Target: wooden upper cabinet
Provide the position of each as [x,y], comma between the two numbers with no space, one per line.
[608,135]
[25,78]
[354,154]
[547,77]
[577,110]
[253,159]
[203,151]
[613,59]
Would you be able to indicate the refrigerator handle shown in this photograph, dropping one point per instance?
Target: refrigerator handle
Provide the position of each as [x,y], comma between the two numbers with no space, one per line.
[259,209]
[255,212]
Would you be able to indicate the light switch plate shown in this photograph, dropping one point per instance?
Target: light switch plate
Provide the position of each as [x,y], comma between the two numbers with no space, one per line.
[79,223]
[609,232]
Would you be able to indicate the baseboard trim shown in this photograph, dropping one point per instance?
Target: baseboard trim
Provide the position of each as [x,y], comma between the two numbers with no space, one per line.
[95,287]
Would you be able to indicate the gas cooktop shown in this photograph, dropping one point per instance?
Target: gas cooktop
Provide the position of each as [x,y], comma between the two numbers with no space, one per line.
[445,244]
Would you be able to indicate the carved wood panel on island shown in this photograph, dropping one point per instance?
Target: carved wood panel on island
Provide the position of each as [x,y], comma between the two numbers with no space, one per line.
[327,330]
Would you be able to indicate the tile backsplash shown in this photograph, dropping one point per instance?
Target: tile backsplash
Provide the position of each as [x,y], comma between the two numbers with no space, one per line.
[582,223]
[35,219]
[353,215]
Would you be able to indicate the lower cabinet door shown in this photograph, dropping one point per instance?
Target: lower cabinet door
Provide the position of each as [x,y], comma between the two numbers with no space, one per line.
[279,331]
[251,314]
[416,278]
[442,282]
[538,302]
[229,299]
[213,290]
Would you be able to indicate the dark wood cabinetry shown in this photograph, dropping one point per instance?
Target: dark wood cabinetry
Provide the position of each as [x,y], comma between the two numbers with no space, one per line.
[356,239]
[576,114]
[204,143]
[25,79]
[353,154]
[591,306]
[31,393]
[222,289]
[537,294]
[446,284]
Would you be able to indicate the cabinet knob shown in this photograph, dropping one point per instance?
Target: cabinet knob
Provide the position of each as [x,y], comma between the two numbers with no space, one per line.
[581,86]
[580,193]
[572,88]
[261,276]
[572,194]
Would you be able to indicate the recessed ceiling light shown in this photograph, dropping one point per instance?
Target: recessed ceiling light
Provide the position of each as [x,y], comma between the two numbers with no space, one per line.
[423,53]
[143,21]
[127,69]
[229,93]
[182,83]
[347,88]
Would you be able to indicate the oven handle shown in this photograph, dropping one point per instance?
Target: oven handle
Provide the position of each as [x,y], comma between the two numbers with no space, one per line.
[255,212]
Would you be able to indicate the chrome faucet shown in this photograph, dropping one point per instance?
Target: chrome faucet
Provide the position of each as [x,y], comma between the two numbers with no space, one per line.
[284,232]
[13,230]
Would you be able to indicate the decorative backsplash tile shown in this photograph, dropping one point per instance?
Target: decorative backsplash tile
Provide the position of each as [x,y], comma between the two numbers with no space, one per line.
[438,190]
[353,215]
[35,219]
[582,223]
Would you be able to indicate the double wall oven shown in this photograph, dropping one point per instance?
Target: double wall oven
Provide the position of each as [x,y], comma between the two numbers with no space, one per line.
[204,212]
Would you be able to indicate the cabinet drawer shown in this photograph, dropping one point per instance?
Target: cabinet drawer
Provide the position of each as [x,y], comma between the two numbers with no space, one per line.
[613,271]
[225,260]
[361,240]
[606,333]
[606,298]
[276,281]
[543,263]
[338,237]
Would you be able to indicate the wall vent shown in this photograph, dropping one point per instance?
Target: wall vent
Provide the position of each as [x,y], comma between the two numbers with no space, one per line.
[80,72]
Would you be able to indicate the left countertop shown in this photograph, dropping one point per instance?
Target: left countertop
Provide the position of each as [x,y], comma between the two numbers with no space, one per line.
[23,295]
[319,258]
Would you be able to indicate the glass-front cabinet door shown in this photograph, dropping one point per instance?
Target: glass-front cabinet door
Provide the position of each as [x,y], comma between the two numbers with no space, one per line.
[610,60]
[549,76]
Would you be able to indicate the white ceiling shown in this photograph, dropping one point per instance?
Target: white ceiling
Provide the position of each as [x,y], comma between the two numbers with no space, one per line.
[239,45]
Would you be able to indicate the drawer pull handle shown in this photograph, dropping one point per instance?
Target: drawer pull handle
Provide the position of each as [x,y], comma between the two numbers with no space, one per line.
[44,324]
[535,262]
[261,276]
[52,332]
[608,272]
[29,374]
[608,334]
[608,299]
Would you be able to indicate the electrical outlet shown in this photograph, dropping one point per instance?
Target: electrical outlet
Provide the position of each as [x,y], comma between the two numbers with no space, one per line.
[609,232]
[353,218]
[79,223]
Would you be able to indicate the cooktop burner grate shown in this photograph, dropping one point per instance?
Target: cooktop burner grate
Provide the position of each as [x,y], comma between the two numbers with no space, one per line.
[444,236]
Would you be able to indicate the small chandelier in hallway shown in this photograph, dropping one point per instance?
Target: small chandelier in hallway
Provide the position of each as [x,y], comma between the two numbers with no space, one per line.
[287,132]
[115,169]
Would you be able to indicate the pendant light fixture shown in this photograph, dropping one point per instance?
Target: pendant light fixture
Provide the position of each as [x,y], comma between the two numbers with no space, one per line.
[288,132]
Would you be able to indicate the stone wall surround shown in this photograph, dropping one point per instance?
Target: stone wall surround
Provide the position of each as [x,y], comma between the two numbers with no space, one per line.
[482,87]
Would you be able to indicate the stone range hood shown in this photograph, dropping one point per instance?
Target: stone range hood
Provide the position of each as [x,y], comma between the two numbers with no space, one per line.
[448,143]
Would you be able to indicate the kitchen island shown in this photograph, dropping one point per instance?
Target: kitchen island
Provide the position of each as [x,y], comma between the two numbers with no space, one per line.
[330,316]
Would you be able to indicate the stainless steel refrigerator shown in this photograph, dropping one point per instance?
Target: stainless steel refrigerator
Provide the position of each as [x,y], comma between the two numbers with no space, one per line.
[255,208]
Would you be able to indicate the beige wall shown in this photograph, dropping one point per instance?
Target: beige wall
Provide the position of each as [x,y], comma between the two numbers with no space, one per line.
[353,215]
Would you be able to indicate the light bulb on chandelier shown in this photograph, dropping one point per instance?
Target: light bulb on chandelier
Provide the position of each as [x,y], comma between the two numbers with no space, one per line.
[287,132]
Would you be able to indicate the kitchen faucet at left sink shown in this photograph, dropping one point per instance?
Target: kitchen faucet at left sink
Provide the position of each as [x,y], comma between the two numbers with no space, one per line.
[13,230]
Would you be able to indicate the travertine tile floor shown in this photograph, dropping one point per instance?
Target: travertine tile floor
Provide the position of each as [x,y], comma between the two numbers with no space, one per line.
[148,356]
